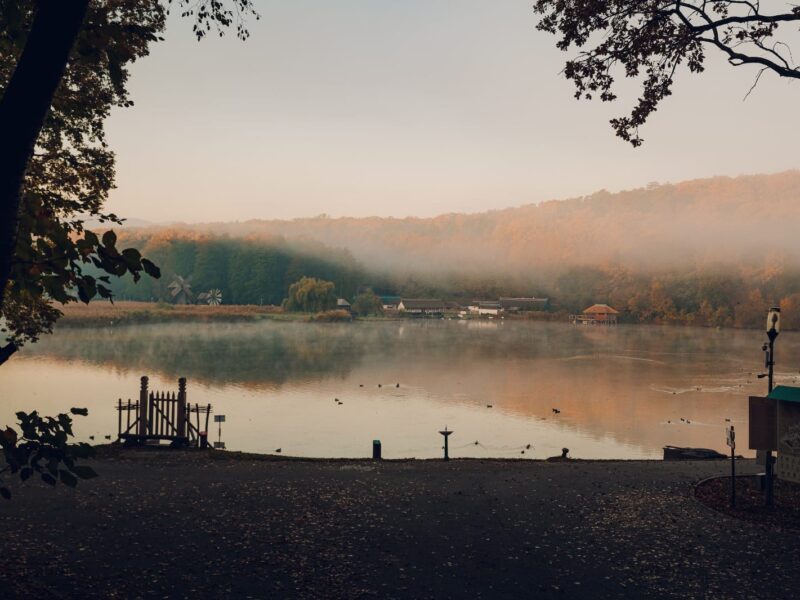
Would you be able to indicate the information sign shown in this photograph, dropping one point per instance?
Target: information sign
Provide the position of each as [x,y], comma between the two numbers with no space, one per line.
[731,438]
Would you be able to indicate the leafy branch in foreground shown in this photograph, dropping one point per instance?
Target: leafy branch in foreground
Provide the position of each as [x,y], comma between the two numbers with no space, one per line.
[41,448]
[651,39]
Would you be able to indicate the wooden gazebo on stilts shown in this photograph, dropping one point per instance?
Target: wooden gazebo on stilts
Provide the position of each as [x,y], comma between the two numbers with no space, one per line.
[162,416]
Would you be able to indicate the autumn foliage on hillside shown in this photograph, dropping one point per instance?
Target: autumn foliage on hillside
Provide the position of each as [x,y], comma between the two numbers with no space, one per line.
[713,252]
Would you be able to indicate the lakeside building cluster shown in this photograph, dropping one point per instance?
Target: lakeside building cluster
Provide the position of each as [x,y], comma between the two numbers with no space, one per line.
[597,314]
[434,307]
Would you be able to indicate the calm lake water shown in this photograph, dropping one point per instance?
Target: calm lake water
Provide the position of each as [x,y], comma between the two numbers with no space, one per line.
[621,391]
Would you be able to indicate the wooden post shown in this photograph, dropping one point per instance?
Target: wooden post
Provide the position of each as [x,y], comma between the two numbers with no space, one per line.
[119,419]
[182,407]
[151,404]
[208,413]
[197,413]
[144,399]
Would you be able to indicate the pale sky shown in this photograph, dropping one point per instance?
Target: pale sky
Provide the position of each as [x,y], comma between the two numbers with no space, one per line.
[410,107]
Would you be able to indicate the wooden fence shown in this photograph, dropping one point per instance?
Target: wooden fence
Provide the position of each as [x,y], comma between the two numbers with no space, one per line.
[162,416]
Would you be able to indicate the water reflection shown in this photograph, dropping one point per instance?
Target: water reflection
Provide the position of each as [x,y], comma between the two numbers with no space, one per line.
[621,392]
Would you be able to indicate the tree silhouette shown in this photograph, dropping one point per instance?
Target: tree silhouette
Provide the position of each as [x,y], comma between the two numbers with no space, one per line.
[652,39]
[63,65]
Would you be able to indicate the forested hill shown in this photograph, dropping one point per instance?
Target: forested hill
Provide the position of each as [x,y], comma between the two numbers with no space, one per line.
[716,220]
[246,271]
[710,252]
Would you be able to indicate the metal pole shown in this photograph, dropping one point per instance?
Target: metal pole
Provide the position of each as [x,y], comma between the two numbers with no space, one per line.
[733,477]
[768,472]
[771,362]
[446,434]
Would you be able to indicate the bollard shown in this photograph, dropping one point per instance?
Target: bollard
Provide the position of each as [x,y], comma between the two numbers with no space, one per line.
[376,449]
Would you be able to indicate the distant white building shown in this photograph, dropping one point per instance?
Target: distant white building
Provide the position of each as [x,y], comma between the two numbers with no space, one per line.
[485,308]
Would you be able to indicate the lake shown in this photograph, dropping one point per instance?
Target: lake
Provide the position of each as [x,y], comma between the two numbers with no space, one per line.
[621,391]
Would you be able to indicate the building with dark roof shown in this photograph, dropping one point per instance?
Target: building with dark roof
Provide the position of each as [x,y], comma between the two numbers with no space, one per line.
[421,306]
[521,304]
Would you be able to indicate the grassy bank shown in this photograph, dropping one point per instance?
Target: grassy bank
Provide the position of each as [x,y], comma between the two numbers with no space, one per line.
[104,314]
[100,314]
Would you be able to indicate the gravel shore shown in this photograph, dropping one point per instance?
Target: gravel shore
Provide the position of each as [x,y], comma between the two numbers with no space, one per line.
[160,524]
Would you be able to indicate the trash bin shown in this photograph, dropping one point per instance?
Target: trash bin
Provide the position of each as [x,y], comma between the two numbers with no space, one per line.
[376,449]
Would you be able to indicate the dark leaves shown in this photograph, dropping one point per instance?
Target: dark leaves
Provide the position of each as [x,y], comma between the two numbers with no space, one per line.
[72,170]
[151,269]
[67,478]
[42,447]
[650,40]
[84,472]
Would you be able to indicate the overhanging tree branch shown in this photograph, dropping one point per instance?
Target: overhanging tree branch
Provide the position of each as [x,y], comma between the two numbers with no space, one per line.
[650,39]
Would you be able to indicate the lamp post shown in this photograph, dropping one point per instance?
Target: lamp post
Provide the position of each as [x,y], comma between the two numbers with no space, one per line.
[773,329]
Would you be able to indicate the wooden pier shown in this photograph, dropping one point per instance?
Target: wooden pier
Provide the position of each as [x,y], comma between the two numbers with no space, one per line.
[162,416]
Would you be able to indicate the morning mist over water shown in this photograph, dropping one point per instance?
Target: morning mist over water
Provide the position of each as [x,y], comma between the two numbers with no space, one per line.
[621,392]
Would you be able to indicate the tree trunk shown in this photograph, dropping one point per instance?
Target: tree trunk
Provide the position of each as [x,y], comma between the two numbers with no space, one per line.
[24,105]
[6,351]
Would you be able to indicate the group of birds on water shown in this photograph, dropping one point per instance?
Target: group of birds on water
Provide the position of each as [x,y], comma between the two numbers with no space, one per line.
[556,411]
[688,422]
[380,385]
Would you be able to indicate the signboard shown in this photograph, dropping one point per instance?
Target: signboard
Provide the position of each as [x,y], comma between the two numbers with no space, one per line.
[731,437]
[219,418]
[789,441]
[763,423]
[219,445]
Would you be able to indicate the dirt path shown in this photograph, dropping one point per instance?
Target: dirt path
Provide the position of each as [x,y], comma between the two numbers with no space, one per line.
[161,525]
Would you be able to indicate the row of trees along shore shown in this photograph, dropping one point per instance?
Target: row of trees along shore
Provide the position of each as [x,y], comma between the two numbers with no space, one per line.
[246,272]
[265,271]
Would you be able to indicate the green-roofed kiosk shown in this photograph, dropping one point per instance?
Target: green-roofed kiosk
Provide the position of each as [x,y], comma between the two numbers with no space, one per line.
[788,431]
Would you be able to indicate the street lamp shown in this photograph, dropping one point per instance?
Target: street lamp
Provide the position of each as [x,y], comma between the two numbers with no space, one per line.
[773,329]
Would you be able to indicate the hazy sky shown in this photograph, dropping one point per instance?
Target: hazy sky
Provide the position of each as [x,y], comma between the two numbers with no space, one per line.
[410,107]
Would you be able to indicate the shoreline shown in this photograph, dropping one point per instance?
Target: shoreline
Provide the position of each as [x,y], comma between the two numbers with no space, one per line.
[128,312]
[114,451]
